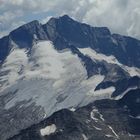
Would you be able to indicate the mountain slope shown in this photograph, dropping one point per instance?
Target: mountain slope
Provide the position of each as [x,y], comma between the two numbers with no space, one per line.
[63,64]
[104,119]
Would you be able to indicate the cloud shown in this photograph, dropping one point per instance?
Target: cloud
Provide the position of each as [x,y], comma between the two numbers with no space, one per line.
[120,16]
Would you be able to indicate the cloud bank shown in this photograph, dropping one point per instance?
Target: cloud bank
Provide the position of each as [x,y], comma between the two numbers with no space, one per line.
[121,16]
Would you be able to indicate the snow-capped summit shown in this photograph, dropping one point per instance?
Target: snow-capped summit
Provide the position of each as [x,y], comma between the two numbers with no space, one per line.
[64,65]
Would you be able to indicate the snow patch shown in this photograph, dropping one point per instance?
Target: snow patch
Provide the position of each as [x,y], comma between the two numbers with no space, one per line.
[101,117]
[102,93]
[113,131]
[126,91]
[95,113]
[48,130]
[109,136]
[93,117]
[138,117]
[84,137]
[72,109]
[97,128]
[98,56]
[133,71]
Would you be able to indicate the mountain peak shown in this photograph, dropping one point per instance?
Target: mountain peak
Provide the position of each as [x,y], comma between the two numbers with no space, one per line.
[37,79]
[79,34]
[66,17]
[24,35]
[27,26]
[65,31]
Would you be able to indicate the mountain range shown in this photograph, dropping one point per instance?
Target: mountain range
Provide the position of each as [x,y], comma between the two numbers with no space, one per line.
[66,80]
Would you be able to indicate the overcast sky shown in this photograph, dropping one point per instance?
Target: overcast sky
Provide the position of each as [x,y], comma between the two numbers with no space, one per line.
[121,16]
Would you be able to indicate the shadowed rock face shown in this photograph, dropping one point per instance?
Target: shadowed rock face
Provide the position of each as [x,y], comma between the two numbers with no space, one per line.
[66,30]
[4,47]
[24,35]
[111,56]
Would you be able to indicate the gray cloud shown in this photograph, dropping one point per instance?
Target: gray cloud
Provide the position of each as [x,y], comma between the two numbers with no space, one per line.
[121,16]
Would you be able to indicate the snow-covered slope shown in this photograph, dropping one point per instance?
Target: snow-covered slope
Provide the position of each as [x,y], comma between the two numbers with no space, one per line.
[56,79]
[49,79]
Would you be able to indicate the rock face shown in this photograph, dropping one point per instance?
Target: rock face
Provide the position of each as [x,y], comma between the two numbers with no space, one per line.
[69,81]
[66,30]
